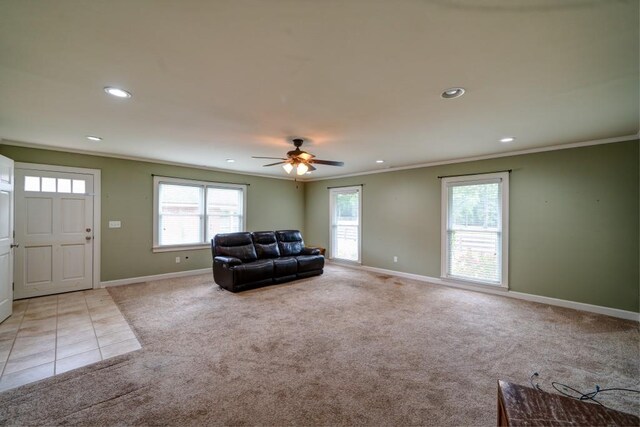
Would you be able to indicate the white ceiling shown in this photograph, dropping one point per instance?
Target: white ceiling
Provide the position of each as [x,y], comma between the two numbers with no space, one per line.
[361,80]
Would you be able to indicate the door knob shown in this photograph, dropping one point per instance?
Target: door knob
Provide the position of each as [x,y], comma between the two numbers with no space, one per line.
[14,246]
[88,237]
[88,230]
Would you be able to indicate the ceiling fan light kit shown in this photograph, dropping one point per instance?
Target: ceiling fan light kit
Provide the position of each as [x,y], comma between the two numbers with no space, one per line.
[300,160]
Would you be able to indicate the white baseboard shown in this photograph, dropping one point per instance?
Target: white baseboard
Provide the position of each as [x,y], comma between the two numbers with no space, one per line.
[141,279]
[608,311]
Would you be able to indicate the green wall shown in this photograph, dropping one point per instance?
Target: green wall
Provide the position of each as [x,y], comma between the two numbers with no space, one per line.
[127,195]
[573,221]
[574,213]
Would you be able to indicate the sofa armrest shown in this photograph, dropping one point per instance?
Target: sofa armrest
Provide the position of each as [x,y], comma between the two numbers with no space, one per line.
[227,260]
[310,251]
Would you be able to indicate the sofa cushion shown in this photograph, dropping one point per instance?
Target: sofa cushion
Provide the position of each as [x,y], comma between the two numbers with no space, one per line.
[265,244]
[290,242]
[285,266]
[309,263]
[255,271]
[238,245]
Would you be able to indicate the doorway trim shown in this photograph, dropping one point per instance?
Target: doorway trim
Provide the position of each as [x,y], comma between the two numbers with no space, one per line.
[97,198]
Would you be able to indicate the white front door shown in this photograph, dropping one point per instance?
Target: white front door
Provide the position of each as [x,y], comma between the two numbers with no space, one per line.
[6,237]
[54,228]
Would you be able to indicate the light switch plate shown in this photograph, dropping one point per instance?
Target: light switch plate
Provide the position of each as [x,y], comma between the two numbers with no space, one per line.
[115,224]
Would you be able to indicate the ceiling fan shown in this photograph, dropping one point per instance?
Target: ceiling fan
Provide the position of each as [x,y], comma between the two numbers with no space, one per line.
[301,160]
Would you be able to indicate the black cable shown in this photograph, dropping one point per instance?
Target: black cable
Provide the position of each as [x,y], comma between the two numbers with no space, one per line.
[536,385]
[583,396]
[580,395]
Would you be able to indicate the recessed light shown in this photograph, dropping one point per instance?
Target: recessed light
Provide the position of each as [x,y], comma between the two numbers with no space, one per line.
[230,161]
[93,138]
[379,161]
[452,92]
[120,93]
[507,139]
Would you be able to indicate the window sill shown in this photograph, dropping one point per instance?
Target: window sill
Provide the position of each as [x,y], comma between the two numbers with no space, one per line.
[175,248]
[344,261]
[469,282]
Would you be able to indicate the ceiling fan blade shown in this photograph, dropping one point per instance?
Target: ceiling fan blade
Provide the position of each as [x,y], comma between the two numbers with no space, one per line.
[305,156]
[260,157]
[273,164]
[311,168]
[326,162]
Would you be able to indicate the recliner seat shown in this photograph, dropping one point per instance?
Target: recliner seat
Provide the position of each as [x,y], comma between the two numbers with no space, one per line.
[248,260]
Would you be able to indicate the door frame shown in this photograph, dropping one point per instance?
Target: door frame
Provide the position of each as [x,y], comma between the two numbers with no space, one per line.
[97,198]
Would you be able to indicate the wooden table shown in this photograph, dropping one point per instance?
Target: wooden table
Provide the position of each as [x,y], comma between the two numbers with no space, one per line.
[524,406]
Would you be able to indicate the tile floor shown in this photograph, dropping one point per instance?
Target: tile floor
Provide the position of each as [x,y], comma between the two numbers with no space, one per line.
[54,334]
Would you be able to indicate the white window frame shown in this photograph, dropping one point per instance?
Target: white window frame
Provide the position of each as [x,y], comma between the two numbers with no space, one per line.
[332,245]
[503,179]
[157,180]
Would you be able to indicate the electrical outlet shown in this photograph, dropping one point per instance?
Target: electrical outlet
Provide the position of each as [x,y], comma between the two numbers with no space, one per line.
[395,259]
[177,260]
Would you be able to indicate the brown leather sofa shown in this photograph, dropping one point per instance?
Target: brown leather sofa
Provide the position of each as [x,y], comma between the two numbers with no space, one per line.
[249,260]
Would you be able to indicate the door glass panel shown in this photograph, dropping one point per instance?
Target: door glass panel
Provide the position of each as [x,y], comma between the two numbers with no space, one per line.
[64,185]
[79,186]
[48,185]
[31,183]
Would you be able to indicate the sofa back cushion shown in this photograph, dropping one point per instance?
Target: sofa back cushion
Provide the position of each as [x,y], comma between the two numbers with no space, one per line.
[290,242]
[266,244]
[238,245]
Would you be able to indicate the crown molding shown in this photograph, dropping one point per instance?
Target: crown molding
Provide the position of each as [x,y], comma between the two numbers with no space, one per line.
[137,159]
[392,169]
[488,156]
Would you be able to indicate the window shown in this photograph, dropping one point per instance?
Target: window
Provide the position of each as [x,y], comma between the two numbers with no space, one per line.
[345,205]
[475,224]
[64,185]
[187,214]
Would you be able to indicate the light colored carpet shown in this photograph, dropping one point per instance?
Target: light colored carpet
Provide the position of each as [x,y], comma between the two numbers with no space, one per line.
[348,347]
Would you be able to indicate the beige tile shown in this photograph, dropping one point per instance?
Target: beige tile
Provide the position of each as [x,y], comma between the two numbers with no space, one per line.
[98,297]
[20,306]
[77,336]
[99,291]
[43,300]
[104,313]
[7,336]
[111,328]
[71,296]
[33,328]
[26,376]
[75,329]
[6,345]
[115,337]
[4,354]
[77,361]
[120,348]
[49,314]
[12,324]
[76,348]
[77,322]
[42,305]
[25,362]
[78,308]
[26,346]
